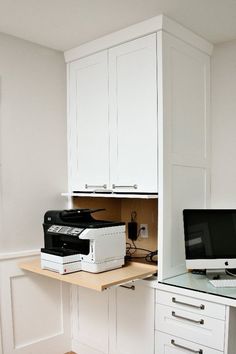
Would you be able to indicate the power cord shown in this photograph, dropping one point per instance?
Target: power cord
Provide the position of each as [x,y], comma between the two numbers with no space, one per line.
[131,250]
[229,272]
[150,257]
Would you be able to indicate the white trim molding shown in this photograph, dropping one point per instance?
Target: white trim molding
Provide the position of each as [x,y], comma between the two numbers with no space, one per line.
[135,31]
[19,254]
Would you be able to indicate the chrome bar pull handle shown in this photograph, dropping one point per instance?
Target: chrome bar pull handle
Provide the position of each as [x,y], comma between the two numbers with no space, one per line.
[135,186]
[200,351]
[132,287]
[201,321]
[201,307]
[104,186]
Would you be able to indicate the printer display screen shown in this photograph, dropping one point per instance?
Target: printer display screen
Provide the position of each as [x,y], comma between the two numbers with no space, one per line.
[66,230]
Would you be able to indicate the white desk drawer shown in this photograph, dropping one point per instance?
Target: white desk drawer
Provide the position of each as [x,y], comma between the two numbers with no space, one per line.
[190,326]
[191,304]
[168,344]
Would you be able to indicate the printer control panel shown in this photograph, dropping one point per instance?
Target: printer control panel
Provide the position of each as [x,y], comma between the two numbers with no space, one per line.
[66,230]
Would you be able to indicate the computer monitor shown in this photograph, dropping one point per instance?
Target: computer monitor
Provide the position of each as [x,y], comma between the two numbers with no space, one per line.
[210,238]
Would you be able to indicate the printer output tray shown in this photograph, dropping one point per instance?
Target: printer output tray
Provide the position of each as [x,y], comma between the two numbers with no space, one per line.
[60,251]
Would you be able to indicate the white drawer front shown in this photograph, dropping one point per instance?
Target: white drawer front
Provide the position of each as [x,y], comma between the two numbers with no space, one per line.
[168,344]
[191,304]
[191,326]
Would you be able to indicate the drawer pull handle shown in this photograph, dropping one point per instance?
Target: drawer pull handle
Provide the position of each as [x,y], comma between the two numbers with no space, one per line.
[94,186]
[132,287]
[135,186]
[200,351]
[201,307]
[187,319]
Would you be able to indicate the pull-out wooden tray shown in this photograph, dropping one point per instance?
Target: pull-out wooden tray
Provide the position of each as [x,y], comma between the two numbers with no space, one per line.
[100,281]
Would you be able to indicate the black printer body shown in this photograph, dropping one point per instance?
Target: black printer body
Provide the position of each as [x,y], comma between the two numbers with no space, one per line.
[70,236]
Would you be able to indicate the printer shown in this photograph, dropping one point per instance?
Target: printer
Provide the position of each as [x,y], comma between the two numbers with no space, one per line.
[74,240]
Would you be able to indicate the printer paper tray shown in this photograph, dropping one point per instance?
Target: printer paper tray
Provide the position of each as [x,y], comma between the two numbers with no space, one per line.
[100,281]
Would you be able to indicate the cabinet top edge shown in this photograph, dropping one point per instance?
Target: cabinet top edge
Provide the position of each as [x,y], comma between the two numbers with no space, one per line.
[152,25]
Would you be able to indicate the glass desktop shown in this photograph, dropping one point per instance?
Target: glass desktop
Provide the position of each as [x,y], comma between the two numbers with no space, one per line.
[199,283]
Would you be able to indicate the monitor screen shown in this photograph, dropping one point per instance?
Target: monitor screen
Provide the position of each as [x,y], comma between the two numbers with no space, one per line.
[210,238]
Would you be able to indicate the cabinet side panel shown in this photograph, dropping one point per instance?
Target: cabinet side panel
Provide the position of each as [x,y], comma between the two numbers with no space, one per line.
[188,190]
[223,125]
[184,160]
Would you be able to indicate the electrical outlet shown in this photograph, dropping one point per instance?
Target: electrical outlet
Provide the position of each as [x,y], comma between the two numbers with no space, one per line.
[143,230]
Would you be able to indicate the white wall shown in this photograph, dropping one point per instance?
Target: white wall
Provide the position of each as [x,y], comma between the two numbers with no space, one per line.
[32,140]
[224,125]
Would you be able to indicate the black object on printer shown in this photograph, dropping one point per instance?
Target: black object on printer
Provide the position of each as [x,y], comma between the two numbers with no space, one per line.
[63,227]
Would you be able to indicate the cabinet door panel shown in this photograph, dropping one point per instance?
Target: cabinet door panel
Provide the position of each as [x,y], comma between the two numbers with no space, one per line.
[134,321]
[88,123]
[133,112]
[93,321]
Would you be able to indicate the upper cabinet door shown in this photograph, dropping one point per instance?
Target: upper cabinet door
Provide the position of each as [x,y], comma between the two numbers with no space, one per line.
[88,133]
[133,116]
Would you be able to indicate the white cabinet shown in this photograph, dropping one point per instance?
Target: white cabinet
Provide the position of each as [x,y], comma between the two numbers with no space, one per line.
[112,125]
[185,323]
[133,328]
[117,321]
[154,61]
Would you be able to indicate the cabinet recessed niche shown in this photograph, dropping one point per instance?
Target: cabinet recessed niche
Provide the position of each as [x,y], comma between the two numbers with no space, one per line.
[120,209]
